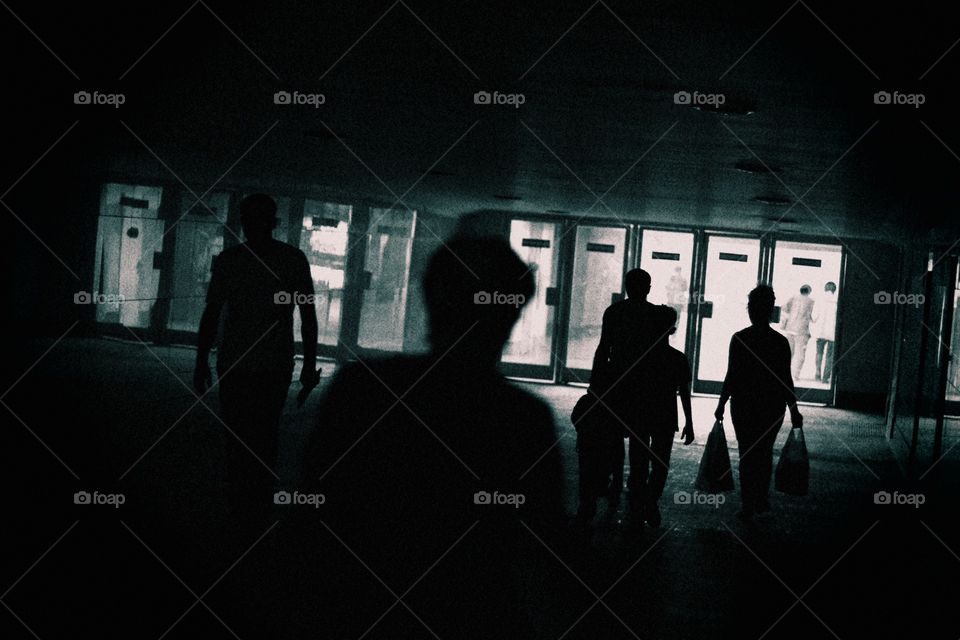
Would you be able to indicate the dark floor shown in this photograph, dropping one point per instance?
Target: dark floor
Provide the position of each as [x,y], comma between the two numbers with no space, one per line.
[112,417]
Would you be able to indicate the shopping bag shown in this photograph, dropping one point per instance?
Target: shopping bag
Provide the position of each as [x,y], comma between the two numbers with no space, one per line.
[715,475]
[793,469]
[599,444]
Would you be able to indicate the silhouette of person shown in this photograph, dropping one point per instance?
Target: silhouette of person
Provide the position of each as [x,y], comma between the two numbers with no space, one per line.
[825,328]
[798,314]
[255,286]
[667,374]
[759,386]
[627,335]
[415,452]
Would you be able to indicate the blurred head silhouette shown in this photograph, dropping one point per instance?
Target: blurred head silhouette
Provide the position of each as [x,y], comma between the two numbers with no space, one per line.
[830,287]
[637,284]
[258,217]
[805,290]
[760,304]
[475,288]
[665,319]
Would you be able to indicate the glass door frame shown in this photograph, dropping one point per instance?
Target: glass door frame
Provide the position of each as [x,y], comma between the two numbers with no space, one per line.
[565,244]
[697,308]
[568,247]
[809,394]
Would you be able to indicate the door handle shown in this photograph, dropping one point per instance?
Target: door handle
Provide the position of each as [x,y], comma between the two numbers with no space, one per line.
[553,296]
[706,309]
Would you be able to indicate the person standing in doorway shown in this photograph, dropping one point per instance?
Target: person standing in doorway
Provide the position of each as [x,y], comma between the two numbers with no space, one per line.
[759,385]
[620,366]
[256,285]
[798,314]
[825,327]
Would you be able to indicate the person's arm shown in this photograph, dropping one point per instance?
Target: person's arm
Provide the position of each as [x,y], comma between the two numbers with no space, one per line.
[687,413]
[728,380]
[207,333]
[598,371]
[786,377]
[309,374]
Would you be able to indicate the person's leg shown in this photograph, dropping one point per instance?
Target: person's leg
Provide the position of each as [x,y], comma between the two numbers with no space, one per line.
[639,469]
[802,342]
[828,360]
[661,445]
[252,405]
[818,369]
[764,464]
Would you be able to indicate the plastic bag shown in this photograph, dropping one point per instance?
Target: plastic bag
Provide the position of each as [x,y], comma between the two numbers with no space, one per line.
[715,475]
[599,445]
[793,469]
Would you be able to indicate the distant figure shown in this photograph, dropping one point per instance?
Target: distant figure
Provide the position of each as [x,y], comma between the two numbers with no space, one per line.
[798,314]
[414,452]
[677,291]
[759,383]
[668,374]
[628,334]
[825,327]
[255,285]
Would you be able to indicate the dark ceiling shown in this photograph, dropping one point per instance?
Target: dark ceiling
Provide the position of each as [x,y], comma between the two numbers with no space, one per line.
[798,145]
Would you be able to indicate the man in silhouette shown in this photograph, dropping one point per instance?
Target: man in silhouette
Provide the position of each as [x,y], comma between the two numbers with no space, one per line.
[255,286]
[620,365]
[429,464]
[667,374]
[825,327]
[759,385]
[798,314]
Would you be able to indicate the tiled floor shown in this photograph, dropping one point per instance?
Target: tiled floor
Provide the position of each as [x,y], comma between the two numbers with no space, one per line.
[120,418]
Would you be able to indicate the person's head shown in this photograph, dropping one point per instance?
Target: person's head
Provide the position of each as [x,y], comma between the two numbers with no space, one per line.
[637,284]
[830,287]
[760,304]
[258,216]
[475,288]
[665,322]
[805,290]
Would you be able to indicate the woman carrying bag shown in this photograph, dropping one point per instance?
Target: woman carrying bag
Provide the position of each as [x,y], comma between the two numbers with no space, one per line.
[760,386]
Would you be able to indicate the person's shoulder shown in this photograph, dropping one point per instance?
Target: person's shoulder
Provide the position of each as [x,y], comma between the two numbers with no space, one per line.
[678,356]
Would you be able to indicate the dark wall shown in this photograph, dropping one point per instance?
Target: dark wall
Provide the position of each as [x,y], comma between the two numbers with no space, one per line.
[865,336]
